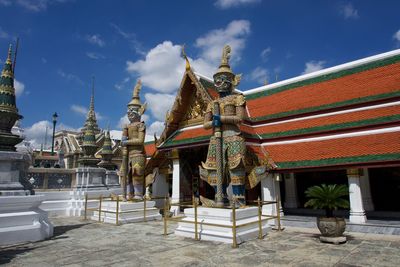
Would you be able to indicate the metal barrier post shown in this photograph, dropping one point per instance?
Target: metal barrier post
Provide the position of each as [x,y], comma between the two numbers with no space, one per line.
[234,244]
[117,212]
[101,199]
[260,232]
[278,214]
[144,210]
[86,199]
[196,235]
[165,215]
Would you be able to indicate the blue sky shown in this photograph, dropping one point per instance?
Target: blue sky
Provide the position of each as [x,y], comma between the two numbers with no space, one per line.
[64,42]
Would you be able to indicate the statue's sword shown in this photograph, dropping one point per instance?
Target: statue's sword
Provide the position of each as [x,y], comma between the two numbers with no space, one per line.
[219,200]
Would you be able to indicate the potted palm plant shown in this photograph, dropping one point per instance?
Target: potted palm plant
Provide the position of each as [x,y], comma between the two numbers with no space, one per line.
[329,198]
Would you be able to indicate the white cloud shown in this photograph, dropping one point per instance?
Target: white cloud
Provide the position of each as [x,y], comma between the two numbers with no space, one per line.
[162,69]
[234,34]
[81,110]
[313,65]
[259,75]
[159,104]
[265,53]
[396,36]
[348,11]
[19,87]
[36,133]
[94,55]
[225,4]
[95,39]
[3,34]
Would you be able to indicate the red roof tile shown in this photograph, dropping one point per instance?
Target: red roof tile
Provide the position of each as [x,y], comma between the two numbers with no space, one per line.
[375,81]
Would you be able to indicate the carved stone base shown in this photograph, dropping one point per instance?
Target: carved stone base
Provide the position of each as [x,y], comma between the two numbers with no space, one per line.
[13,172]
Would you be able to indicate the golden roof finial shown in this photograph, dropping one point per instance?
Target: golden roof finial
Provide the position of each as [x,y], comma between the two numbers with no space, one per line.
[265,81]
[187,67]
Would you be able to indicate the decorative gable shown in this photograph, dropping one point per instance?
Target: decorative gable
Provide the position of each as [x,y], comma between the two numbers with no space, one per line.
[189,106]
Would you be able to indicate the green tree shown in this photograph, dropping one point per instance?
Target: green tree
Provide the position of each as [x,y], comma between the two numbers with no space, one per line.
[328,197]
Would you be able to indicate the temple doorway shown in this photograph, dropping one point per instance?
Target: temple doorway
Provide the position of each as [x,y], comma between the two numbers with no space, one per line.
[189,160]
[385,188]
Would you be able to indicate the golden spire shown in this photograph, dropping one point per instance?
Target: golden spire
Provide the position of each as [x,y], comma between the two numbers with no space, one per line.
[224,66]
[226,55]
[137,88]
[187,67]
[9,54]
[135,102]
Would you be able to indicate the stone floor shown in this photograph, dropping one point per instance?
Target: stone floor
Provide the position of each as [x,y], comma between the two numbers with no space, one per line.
[86,243]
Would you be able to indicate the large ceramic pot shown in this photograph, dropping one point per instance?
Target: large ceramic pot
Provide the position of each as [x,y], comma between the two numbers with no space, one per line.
[331,227]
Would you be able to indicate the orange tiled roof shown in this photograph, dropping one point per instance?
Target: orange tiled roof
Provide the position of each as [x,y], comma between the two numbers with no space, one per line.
[333,122]
[346,89]
[149,148]
[356,149]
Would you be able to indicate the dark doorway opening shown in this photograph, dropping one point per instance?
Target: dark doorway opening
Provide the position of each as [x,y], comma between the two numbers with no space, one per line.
[385,188]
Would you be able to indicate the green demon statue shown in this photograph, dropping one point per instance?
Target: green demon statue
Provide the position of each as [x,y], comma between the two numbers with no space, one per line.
[133,155]
[226,152]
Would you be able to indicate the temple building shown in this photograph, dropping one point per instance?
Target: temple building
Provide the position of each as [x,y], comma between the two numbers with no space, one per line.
[337,125]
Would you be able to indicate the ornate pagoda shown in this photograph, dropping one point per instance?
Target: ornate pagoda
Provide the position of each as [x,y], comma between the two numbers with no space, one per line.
[107,153]
[90,117]
[8,109]
[88,137]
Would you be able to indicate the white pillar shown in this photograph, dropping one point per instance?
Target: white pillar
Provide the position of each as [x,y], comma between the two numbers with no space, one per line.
[291,199]
[270,191]
[357,212]
[175,185]
[366,191]
[267,193]
[277,190]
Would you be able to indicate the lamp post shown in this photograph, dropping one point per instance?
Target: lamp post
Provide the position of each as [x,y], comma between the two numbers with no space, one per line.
[55,116]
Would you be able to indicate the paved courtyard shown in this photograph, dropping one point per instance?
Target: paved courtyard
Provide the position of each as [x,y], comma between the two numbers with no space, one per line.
[86,243]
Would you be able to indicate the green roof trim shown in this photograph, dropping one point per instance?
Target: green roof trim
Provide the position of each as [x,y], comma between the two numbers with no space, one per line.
[172,142]
[327,77]
[337,126]
[149,142]
[328,106]
[339,161]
